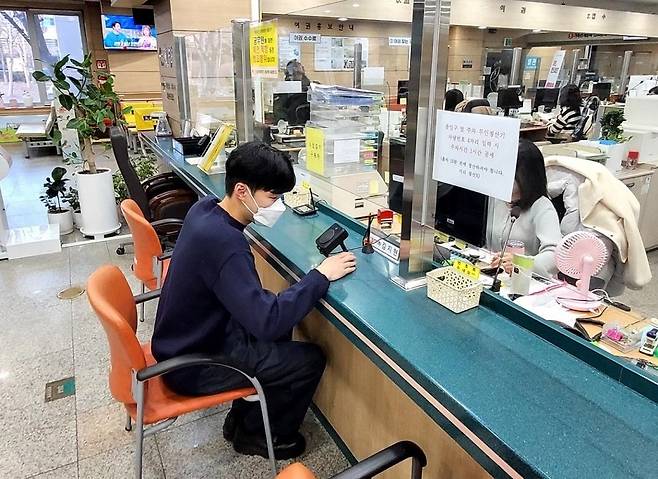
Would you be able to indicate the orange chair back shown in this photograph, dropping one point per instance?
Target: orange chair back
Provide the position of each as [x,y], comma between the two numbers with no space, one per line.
[145,239]
[112,300]
[296,471]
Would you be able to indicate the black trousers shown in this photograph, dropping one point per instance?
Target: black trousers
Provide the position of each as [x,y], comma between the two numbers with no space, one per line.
[289,372]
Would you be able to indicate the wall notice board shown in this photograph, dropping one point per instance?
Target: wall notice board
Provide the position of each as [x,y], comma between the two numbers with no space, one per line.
[337,53]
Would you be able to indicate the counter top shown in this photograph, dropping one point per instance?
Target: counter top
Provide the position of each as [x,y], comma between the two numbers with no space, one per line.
[519,405]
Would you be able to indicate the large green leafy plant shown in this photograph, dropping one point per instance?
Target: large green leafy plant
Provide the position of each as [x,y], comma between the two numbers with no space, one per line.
[56,191]
[89,95]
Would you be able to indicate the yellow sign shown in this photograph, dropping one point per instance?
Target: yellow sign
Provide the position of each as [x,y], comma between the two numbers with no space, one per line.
[216,146]
[264,49]
[467,269]
[315,150]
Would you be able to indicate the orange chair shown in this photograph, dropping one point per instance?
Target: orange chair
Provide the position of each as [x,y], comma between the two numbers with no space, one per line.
[150,263]
[135,376]
[371,466]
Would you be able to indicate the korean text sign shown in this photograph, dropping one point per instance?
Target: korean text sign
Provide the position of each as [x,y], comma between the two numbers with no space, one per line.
[264,49]
[476,152]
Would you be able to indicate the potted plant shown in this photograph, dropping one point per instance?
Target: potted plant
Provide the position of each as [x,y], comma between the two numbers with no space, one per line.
[145,165]
[91,97]
[54,198]
[73,199]
[613,139]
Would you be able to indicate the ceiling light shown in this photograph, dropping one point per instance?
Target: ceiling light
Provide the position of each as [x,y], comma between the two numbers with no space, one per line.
[327,11]
[482,27]
[342,19]
[356,5]
[537,30]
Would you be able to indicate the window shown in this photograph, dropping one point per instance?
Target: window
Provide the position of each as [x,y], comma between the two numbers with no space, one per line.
[26,35]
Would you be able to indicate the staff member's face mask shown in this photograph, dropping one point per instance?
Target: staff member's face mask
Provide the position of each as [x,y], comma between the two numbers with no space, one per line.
[266,215]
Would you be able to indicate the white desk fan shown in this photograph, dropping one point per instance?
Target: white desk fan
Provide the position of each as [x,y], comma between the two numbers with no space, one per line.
[581,255]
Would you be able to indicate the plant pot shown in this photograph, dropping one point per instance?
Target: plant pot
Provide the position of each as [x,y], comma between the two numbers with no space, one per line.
[77,219]
[63,219]
[97,205]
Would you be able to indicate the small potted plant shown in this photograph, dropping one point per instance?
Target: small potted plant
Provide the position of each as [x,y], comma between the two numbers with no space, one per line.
[73,199]
[613,139]
[54,198]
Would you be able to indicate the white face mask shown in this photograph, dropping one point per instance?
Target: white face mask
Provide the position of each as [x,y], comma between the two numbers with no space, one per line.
[267,216]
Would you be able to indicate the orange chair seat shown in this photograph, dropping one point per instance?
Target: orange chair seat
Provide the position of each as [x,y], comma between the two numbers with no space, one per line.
[162,403]
[296,471]
[151,283]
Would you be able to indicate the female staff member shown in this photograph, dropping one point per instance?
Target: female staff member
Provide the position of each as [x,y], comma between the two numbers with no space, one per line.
[453,98]
[538,226]
[570,113]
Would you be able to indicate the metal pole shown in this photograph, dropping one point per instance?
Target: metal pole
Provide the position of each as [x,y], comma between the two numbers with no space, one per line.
[574,66]
[244,100]
[515,74]
[628,54]
[184,106]
[358,65]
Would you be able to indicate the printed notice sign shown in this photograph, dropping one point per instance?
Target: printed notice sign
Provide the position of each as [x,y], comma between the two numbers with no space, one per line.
[554,70]
[476,152]
[264,49]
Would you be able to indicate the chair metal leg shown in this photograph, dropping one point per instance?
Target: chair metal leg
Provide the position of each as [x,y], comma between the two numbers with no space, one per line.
[139,433]
[266,424]
[142,307]
[129,423]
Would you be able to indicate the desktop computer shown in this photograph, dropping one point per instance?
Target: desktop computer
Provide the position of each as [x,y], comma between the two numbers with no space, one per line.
[601,90]
[462,213]
[508,98]
[291,107]
[548,97]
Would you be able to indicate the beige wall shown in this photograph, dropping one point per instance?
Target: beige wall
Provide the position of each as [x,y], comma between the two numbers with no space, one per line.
[395,60]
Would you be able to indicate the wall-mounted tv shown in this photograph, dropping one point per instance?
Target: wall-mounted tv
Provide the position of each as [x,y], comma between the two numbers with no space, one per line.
[120,32]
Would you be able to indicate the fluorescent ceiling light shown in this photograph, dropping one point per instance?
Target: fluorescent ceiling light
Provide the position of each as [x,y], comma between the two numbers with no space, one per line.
[482,27]
[342,19]
[327,11]
[537,30]
[356,5]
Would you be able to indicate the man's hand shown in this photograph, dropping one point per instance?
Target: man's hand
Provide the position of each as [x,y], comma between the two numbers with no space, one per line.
[335,267]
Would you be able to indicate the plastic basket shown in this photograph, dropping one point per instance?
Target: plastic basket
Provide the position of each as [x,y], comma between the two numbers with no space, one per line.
[297,198]
[452,289]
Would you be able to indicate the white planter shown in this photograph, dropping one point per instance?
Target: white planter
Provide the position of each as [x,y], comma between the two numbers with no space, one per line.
[64,220]
[97,205]
[77,219]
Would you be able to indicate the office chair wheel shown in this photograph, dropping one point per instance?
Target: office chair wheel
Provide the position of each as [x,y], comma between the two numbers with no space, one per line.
[121,250]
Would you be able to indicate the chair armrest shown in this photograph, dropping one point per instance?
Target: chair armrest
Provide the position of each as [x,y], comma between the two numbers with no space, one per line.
[166,255]
[188,360]
[384,460]
[167,176]
[148,296]
[167,222]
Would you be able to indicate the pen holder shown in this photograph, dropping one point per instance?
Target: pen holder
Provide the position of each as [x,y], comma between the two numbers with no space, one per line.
[452,289]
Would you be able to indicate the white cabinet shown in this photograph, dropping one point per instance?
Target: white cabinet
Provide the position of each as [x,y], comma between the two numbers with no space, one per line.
[641,182]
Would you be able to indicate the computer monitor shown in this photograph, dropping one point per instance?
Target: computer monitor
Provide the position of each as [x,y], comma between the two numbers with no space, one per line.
[508,98]
[462,213]
[291,107]
[548,97]
[403,90]
[602,90]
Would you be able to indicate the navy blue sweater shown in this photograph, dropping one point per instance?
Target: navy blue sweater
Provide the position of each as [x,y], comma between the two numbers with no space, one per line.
[212,301]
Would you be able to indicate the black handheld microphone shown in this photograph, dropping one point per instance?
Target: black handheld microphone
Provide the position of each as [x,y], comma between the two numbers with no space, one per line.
[515,212]
[366,244]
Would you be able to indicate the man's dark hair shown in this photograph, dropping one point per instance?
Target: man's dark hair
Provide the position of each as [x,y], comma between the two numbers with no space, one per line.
[116,23]
[570,96]
[260,167]
[530,174]
[653,91]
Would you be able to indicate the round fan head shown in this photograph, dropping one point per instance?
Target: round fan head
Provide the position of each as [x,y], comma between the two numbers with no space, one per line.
[581,252]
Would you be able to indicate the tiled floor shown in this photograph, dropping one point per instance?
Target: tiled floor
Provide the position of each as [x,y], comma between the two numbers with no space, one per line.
[45,339]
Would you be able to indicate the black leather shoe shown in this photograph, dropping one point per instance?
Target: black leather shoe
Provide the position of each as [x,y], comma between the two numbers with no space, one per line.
[230,426]
[256,445]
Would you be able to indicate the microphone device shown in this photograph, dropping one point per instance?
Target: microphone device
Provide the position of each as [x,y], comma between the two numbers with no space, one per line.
[515,212]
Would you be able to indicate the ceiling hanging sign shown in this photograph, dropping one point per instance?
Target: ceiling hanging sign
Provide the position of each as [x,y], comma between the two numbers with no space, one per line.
[264,49]
[476,152]
[301,37]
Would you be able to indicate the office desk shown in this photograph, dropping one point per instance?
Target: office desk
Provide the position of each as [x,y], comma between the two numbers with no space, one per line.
[534,133]
[481,394]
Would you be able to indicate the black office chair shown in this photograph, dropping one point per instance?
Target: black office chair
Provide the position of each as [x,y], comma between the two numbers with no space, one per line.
[164,199]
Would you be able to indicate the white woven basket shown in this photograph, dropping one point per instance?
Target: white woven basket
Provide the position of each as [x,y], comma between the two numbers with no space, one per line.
[452,289]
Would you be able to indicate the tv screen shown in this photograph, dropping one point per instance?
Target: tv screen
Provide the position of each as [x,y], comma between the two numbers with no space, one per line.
[120,32]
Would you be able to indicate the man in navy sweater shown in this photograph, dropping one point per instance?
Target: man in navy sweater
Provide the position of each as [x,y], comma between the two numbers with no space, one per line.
[213,302]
